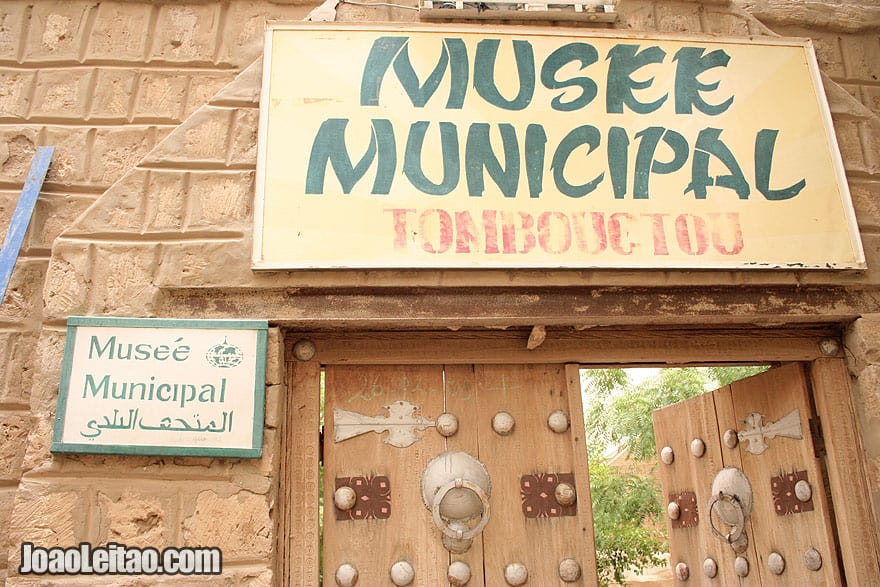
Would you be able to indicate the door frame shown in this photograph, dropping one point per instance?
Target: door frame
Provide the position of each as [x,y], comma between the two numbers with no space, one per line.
[298,560]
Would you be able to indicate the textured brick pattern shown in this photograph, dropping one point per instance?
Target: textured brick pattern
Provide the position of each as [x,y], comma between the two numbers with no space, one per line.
[105,83]
[849,58]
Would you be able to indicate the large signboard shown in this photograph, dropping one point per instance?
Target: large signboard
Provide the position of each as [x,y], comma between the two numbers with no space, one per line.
[463,147]
[162,387]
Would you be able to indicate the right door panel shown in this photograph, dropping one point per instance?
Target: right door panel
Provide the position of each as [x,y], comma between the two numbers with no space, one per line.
[757,429]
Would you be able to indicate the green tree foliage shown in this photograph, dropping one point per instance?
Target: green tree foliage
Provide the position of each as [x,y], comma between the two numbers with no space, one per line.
[727,375]
[618,415]
[627,507]
[626,511]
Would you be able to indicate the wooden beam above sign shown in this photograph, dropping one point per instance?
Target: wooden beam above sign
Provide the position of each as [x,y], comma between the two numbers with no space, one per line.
[497,307]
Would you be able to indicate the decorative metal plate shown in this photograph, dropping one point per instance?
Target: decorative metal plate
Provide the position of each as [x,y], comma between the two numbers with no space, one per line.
[785,502]
[403,423]
[757,433]
[373,501]
[687,502]
[538,500]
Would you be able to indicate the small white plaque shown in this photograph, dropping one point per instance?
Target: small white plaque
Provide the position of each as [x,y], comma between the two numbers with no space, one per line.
[162,387]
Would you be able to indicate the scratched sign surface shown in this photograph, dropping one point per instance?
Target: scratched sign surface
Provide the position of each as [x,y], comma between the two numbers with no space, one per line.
[458,147]
[180,387]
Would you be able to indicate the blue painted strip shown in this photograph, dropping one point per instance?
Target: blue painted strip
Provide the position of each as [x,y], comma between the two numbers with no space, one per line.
[21,218]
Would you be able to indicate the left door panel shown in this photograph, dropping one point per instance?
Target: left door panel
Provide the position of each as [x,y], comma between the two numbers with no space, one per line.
[389,522]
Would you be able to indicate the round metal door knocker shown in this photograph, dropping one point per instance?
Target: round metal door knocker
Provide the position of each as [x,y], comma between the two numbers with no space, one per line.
[731,503]
[736,519]
[443,523]
[456,489]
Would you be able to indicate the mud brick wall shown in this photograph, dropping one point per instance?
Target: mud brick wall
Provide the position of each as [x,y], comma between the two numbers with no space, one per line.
[105,82]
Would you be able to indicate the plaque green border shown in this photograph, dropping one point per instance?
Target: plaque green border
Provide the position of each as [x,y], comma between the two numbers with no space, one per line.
[256,449]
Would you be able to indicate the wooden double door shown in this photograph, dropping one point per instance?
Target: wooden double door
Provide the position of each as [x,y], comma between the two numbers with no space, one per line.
[743,478]
[380,434]
[359,378]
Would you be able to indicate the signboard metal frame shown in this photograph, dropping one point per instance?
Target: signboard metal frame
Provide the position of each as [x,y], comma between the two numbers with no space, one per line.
[255,434]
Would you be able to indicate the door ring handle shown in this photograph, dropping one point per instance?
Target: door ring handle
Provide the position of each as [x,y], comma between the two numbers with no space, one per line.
[444,525]
[737,527]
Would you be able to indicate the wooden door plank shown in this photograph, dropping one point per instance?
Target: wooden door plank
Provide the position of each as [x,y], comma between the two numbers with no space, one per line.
[298,515]
[586,542]
[374,545]
[774,394]
[461,401]
[846,472]
[676,426]
[726,419]
[529,393]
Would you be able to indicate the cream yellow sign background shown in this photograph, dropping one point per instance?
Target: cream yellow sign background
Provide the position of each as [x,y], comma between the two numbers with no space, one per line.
[599,184]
